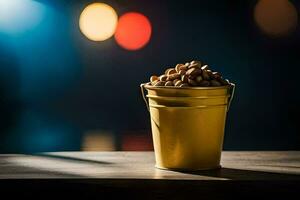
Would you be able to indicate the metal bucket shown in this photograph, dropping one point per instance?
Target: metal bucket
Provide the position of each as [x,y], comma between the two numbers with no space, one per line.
[188,125]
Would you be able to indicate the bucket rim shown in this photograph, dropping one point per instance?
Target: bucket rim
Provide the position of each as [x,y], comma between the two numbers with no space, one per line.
[151,87]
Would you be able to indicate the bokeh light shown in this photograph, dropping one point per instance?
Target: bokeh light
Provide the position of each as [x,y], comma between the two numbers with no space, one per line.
[19,16]
[98,140]
[133,31]
[276,17]
[98,21]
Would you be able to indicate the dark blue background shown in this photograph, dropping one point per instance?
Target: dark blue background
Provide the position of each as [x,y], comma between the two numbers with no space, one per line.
[55,84]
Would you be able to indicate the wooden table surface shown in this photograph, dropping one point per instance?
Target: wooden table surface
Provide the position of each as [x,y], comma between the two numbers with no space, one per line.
[140,165]
[242,171]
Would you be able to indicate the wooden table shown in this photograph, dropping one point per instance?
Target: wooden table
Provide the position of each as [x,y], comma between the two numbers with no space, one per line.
[132,174]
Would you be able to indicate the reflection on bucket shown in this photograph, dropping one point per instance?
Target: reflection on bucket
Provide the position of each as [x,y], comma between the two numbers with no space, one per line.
[98,140]
[188,125]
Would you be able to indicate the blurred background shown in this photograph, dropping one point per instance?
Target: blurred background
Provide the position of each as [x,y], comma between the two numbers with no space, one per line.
[65,86]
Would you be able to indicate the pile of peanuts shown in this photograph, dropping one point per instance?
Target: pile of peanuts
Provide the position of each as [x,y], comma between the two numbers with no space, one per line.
[190,74]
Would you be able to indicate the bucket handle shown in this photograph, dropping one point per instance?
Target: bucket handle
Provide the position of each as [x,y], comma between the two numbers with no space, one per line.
[232,89]
[144,97]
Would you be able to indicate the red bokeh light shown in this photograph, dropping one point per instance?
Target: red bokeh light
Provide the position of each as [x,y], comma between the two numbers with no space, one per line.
[133,31]
[137,141]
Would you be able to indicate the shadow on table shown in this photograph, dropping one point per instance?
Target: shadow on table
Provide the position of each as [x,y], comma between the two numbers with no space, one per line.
[23,171]
[34,166]
[239,174]
[70,158]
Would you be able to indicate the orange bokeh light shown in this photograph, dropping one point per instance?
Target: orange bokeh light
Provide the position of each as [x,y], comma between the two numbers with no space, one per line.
[276,17]
[133,31]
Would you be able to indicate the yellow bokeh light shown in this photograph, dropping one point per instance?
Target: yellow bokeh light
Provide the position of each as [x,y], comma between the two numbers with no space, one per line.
[98,21]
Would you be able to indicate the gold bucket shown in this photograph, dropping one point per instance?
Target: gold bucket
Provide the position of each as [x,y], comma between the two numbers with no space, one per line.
[188,125]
